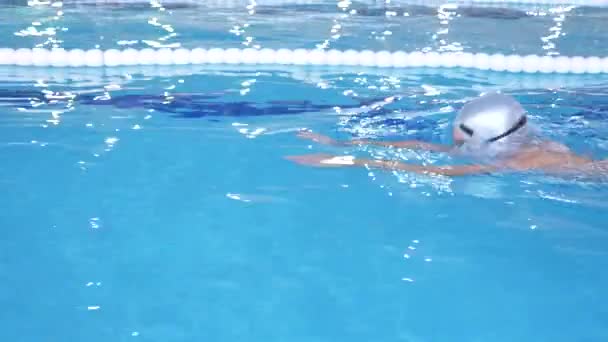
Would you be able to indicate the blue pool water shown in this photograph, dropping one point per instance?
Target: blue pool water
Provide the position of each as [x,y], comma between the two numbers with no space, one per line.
[155,204]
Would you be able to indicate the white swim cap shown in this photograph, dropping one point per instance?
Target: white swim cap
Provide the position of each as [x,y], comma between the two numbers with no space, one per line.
[492,121]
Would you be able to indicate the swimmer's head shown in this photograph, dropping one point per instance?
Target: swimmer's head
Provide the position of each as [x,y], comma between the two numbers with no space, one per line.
[493,122]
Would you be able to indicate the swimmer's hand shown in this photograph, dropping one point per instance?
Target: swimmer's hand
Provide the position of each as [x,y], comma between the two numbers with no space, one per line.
[322,160]
[319,138]
[325,160]
[325,140]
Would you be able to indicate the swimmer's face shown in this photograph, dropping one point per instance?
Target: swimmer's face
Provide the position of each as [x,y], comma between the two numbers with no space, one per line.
[457,137]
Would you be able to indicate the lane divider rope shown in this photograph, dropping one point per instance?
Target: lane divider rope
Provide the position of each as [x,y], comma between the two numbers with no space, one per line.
[365,58]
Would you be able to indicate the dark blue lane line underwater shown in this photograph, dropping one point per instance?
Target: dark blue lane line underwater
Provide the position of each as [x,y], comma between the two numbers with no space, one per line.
[210,106]
[188,105]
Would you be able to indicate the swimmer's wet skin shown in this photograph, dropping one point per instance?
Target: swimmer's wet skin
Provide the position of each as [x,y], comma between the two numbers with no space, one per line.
[492,127]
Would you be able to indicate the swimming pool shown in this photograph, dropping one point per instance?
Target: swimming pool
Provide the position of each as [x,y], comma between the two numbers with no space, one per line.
[154,203]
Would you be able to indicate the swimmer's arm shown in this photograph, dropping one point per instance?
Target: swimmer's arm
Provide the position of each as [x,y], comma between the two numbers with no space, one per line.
[323,160]
[417,145]
[413,144]
[457,170]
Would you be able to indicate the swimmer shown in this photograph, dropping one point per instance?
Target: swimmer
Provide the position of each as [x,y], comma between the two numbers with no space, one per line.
[492,129]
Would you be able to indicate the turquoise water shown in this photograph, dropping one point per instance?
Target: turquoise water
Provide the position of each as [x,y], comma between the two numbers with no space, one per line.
[155,204]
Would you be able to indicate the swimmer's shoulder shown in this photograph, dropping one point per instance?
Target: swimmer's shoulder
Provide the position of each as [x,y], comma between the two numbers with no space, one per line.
[554,146]
[546,155]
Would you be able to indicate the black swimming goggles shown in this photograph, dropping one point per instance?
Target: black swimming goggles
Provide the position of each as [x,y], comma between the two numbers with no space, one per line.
[519,124]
